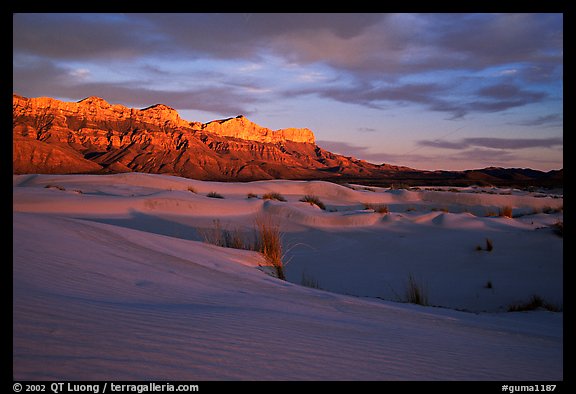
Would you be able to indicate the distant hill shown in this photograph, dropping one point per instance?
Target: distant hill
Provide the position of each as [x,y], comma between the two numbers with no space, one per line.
[93,136]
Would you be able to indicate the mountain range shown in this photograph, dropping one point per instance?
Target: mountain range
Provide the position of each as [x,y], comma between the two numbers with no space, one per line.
[93,136]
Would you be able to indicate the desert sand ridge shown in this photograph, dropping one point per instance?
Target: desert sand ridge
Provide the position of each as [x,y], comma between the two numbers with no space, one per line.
[152,300]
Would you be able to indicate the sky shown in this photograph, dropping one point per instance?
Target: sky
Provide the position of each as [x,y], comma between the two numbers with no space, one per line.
[427,91]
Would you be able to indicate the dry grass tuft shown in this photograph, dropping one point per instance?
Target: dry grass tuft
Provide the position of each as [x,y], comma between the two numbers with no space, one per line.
[505,212]
[558,228]
[313,200]
[269,243]
[535,302]
[274,196]
[62,188]
[415,292]
[214,195]
[378,208]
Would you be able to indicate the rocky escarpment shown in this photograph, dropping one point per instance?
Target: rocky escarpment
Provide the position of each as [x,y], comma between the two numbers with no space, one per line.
[52,136]
[93,136]
[241,127]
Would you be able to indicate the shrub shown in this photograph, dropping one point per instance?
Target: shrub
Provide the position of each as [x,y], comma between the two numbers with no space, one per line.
[251,195]
[214,195]
[313,200]
[274,196]
[415,293]
[192,190]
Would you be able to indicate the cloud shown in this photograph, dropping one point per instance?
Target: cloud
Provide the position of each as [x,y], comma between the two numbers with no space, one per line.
[433,62]
[44,78]
[80,73]
[80,36]
[544,120]
[494,143]
[369,45]
[433,96]
[472,157]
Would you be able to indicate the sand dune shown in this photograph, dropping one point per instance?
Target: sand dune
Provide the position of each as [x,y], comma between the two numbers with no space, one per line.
[112,281]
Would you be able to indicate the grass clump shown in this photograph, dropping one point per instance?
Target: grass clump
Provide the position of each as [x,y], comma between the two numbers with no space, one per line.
[505,212]
[558,228]
[535,302]
[224,237]
[378,208]
[266,239]
[269,243]
[489,246]
[274,196]
[191,189]
[62,188]
[313,200]
[214,195]
[399,186]
[415,292]
[309,281]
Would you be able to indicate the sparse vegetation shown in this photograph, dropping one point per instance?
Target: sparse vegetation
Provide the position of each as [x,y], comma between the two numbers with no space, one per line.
[505,212]
[415,292]
[309,281]
[274,196]
[266,239]
[269,243]
[43,122]
[225,237]
[399,186]
[62,188]
[489,246]
[378,208]
[214,195]
[558,228]
[535,302]
[313,200]
[359,188]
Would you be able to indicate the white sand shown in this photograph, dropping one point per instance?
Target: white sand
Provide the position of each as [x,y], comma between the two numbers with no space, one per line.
[112,282]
